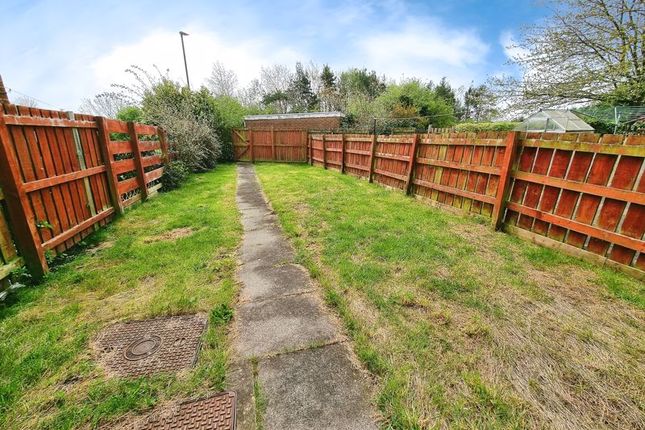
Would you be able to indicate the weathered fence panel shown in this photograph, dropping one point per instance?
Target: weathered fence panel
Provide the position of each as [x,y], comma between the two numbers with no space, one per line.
[582,190]
[63,175]
[579,192]
[270,145]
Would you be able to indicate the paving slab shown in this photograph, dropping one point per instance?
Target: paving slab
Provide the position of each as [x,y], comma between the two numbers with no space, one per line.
[269,282]
[283,324]
[239,379]
[315,389]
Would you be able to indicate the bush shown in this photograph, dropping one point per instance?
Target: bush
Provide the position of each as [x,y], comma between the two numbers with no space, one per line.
[174,175]
[187,118]
[486,126]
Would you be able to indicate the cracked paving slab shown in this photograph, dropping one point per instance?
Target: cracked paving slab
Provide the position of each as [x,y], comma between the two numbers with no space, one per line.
[304,370]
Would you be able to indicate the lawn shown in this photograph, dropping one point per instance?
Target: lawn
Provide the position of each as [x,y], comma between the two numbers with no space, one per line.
[175,254]
[462,326]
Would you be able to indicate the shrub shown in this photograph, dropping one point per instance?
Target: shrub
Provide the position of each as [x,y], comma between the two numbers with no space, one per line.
[175,173]
[186,116]
[486,126]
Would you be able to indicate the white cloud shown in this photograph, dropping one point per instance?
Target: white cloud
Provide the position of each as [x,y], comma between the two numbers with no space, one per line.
[425,49]
[509,45]
[162,48]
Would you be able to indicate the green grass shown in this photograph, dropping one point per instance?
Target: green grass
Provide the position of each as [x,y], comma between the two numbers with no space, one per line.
[48,379]
[465,327]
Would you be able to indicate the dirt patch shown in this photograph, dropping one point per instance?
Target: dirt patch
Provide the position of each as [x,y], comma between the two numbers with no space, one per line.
[100,247]
[173,234]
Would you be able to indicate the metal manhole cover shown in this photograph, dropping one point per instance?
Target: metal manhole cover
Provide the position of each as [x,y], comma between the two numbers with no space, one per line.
[212,413]
[145,347]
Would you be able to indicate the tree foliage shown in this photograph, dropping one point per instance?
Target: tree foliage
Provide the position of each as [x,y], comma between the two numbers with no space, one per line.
[222,81]
[586,51]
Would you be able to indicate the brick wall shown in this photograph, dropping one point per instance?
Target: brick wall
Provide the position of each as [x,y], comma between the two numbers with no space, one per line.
[295,123]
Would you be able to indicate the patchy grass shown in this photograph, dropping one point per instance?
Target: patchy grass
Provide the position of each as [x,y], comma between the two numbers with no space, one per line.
[465,327]
[172,255]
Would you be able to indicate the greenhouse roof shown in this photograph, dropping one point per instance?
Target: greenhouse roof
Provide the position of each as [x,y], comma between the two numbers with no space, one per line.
[554,120]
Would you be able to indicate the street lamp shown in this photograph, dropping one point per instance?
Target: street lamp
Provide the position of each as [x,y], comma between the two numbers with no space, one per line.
[182,34]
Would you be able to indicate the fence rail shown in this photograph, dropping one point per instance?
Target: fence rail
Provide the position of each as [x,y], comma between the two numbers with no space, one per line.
[582,193]
[65,174]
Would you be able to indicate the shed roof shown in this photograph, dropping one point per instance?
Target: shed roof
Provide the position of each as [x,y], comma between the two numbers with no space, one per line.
[555,120]
[295,116]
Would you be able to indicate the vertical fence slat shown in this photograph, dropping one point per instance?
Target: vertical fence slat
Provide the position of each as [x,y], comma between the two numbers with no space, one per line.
[138,162]
[250,137]
[504,179]
[324,151]
[342,153]
[413,157]
[371,162]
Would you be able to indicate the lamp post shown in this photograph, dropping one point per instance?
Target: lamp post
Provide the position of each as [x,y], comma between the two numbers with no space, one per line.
[182,34]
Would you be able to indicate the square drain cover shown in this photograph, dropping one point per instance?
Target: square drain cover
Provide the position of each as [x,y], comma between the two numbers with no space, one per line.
[213,413]
[145,347]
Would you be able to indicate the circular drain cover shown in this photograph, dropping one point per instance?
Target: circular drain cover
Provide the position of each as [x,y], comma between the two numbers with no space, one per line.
[143,347]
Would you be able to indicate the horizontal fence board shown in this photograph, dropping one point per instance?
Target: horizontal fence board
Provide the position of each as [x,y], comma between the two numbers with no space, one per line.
[61,179]
[47,122]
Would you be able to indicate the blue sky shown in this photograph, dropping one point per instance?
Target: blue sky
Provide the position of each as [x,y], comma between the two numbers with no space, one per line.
[63,51]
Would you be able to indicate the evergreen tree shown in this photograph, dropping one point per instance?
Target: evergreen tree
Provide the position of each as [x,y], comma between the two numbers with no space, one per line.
[302,97]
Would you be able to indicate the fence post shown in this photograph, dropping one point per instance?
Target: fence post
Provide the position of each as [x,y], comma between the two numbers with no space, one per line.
[342,153]
[106,154]
[163,143]
[324,146]
[413,156]
[504,179]
[310,148]
[138,162]
[21,216]
[372,151]
[250,136]
[272,144]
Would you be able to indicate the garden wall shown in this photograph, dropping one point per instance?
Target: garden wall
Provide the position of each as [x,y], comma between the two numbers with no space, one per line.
[63,175]
[582,193]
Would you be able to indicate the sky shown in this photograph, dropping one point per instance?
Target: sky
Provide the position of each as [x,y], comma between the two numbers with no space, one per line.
[61,52]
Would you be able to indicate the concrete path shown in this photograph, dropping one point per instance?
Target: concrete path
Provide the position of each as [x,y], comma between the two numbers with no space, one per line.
[293,369]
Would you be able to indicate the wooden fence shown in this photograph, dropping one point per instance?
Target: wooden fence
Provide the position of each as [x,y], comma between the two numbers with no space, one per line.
[270,145]
[581,193]
[63,175]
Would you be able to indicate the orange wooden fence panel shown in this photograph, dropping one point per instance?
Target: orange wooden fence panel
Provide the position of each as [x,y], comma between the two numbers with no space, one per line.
[584,191]
[61,179]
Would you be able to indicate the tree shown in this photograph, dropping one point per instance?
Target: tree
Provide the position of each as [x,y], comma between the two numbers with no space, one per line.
[223,81]
[106,104]
[274,87]
[329,95]
[301,96]
[413,99]
[586,51]
[361,82]
[445,92]
[479,103]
